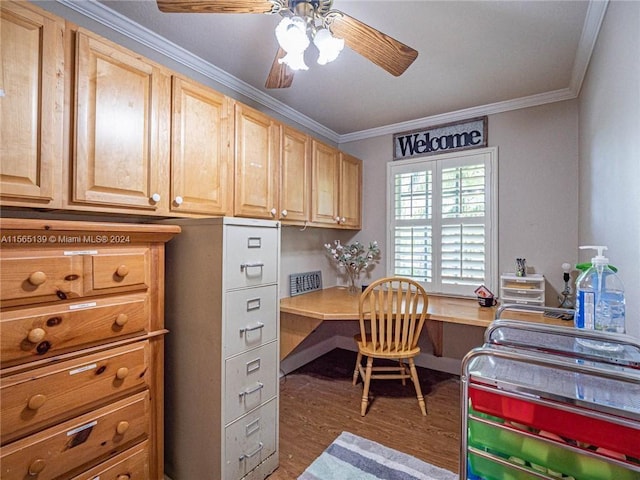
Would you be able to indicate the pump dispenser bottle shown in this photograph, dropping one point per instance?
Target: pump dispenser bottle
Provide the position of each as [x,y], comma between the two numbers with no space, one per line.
[600,303]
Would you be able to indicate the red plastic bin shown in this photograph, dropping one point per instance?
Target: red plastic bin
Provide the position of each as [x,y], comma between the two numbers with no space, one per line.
[582,427]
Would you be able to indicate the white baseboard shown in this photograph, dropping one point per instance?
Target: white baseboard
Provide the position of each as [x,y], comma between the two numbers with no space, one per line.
[298,359]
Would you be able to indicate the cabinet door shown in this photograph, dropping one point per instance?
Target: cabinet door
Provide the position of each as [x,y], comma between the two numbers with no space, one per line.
[350,192]
[295,176]
[325,187]
[257,154]
[120,100]
[200,150]
[31,123]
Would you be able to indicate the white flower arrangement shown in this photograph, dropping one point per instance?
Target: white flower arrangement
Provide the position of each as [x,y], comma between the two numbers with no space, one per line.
[354,257]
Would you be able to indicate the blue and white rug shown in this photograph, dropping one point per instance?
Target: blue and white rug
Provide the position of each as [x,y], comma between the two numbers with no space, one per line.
[350,457]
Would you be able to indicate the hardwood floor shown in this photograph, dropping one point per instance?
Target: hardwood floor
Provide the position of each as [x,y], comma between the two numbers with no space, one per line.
[318,402]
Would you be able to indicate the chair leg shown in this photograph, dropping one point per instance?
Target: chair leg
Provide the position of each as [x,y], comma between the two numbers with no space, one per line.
[403,370]
[365,391]
[416,384]
[357,369]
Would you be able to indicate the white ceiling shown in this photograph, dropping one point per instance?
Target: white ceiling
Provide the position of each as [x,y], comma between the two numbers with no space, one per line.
[475,57]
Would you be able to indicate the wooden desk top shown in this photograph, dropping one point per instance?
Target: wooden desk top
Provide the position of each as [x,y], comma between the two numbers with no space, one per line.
[336,303]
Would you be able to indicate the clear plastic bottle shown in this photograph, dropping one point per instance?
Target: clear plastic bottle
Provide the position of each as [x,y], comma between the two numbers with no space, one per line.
[600,303]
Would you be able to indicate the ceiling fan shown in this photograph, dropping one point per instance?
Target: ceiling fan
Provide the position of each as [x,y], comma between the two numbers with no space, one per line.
[314,18]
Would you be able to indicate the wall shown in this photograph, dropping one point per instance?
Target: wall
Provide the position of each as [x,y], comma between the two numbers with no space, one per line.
[609,212]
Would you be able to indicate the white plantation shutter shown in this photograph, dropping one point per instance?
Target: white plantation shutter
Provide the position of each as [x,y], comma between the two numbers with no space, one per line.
[441,218]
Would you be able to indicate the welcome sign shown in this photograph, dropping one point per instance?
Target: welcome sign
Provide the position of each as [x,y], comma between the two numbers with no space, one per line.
[441,138]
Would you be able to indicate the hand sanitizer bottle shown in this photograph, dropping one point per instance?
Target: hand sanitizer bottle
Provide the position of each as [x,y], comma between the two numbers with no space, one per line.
[600,303]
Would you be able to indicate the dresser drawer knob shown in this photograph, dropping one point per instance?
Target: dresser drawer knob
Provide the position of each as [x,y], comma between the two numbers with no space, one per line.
[36,401]
[122,427]
[36,467]
[122,373]
[122,319]
[36,335]
[123,477]
[122,271]
[37,278]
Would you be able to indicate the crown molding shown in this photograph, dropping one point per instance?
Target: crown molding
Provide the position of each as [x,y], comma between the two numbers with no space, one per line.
[136,32]
[113,20]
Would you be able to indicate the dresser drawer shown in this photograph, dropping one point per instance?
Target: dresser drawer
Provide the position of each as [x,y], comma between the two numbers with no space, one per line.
[78,444]
[252,256]
[132,464]
[250,440]
[117,270]
[37,332]
[37,277]
[38,398]
[251,379]
[250,318]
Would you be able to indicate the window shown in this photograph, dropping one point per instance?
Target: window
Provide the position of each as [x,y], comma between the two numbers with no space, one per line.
[442,220]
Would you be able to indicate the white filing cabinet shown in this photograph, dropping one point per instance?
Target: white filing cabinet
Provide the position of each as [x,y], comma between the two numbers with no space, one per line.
[222,357]
[527,290]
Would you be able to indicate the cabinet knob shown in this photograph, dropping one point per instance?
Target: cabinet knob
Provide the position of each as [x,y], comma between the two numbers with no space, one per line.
[36,335]
[337,219]
[36,467]
[284,213]
[122,271]
[122,427]
[155,197]
[342,219]
[178,200]
[37,278]
[123,477]
[273,212]
[36,401]
[122,373]
[122,319]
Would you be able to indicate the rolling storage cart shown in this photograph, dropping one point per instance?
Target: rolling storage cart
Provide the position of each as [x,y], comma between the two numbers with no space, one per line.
[538,405]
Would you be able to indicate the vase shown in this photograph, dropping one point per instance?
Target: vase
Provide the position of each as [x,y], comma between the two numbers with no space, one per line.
[354,282]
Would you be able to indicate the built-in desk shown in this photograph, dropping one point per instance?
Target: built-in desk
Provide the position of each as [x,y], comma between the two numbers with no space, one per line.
[302,314]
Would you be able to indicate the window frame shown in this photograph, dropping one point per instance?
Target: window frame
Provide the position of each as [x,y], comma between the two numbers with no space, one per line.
[436,163]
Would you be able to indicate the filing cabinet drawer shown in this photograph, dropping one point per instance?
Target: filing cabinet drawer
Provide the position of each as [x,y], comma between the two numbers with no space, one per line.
[250,318]
[38,332]
[250,379]
[250,440]
[130,465]
[252,256]
[77,443]
[37,277]
[118,270]
[36,399]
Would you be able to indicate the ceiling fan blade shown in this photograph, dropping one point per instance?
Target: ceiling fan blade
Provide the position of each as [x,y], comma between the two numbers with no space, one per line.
[216,6]
[280,75]
[386,52]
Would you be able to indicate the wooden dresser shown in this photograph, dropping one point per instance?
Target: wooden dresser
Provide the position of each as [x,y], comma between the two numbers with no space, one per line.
[82,347]
[222,354]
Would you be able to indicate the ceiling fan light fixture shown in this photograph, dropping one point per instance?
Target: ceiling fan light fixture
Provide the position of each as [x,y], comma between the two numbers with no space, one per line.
[329,47]
[292,37]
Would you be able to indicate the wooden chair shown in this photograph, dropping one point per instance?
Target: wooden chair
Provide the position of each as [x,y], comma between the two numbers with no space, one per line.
[392,313]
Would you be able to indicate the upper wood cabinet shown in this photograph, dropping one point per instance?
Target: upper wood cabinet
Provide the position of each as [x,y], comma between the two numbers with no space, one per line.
[31,106]
[295,176]
[336,187]
[201,160]
[122,107]
[257,154]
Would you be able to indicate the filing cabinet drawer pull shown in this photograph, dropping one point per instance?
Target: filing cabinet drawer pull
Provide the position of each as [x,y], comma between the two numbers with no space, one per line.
[252,427]
[258,326]
[246,266]
[37,278]
[253,304]
[36,467]
[249,455]
[253,365]
[258,387]
[36,401]
[254,242]
[36,335]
